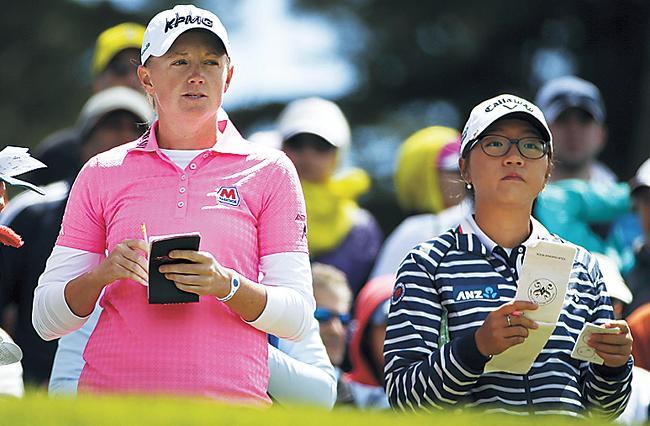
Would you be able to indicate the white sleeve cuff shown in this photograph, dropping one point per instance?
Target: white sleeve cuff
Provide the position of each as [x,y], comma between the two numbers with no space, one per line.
[289,296]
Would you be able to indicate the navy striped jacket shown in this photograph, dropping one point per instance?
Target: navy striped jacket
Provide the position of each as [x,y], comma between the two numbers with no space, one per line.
[445,289]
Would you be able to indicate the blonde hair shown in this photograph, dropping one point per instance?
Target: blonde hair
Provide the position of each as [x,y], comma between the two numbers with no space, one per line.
[331,279]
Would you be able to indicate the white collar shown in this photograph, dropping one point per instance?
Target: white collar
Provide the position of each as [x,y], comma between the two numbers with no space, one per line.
[228,142]
[468,225]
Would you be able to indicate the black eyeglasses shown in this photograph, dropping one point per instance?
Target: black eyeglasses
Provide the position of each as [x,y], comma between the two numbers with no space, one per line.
[532,148]
[325,315]
[308,140]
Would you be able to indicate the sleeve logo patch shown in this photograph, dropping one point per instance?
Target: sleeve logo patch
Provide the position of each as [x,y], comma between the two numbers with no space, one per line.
[398,293]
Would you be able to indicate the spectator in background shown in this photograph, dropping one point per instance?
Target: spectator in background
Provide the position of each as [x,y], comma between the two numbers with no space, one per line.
[575,113]
[583,199]
[639,276]
[639,321]
[11,375]
[571,208]
[114,63]
[268,138]
[333,303]
[315,134]
[366,380]
[109,118]
[428,185]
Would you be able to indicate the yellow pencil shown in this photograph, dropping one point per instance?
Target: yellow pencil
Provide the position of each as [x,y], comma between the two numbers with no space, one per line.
[143,227]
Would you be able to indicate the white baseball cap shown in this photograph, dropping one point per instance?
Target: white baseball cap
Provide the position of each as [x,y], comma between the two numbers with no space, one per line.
[642,177]
[113,99]
[165,27]
[315,116]
[562,93]
[487,112]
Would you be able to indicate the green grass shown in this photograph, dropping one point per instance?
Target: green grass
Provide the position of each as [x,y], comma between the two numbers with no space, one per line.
[40,410]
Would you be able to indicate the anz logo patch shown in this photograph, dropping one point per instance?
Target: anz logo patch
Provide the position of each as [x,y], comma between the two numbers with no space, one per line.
[486,293]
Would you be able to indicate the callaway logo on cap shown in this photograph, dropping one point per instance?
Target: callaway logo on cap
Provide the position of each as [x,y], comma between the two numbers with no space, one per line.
[487,112]
[165,27]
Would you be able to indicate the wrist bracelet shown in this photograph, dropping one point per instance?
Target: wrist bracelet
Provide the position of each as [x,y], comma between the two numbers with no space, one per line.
[235,283]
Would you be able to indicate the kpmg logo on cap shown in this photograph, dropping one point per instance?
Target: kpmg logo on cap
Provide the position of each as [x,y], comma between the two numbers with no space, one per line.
[509,103]
[189,19]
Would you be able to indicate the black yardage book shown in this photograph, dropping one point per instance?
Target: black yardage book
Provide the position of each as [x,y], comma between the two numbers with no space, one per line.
[161,290]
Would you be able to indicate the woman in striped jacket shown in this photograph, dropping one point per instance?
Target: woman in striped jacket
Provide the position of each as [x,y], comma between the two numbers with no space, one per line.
[452,307]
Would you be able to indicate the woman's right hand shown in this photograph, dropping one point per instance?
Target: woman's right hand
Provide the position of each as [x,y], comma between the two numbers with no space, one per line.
[125,261]
[504,327]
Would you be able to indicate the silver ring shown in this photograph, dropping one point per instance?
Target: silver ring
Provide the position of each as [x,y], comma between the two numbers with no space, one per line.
[508,319]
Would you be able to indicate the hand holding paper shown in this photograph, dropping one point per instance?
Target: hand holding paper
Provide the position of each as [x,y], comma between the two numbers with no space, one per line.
[610,344]
[544,279]
[504,328]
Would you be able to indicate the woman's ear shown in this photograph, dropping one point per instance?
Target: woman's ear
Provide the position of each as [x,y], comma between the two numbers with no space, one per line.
[463,165]
[145,79]
[547,176]
[228,78]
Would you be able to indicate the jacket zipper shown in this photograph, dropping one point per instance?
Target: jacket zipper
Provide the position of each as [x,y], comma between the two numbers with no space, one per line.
[529,398]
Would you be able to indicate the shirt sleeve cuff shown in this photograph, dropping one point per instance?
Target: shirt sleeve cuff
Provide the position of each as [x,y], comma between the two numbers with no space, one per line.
[465,349]
[612,373]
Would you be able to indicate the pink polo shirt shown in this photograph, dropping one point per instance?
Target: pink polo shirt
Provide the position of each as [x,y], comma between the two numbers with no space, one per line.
[246,202]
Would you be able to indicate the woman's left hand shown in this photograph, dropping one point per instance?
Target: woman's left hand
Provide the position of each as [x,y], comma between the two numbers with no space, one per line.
[202,274]
[615,349]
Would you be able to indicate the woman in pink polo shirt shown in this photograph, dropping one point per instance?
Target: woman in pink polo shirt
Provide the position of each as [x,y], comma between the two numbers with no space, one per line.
[191,171]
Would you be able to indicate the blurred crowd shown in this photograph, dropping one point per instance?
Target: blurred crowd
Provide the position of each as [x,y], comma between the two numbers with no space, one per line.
[354,264]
